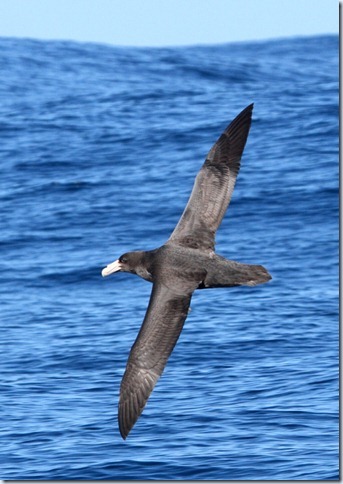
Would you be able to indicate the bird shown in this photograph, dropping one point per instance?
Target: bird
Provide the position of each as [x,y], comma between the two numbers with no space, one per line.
[185,263]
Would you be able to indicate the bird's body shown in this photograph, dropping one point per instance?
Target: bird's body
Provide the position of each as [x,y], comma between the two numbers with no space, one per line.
[186,262]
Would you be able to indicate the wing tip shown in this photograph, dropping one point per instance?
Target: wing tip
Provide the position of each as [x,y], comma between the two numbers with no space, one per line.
[240,126]
[132,404]
[122,433]
[245,113]
[250,107]
[124,424]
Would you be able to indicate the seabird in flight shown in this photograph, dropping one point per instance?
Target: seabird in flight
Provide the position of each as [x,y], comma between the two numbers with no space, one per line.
[186,262]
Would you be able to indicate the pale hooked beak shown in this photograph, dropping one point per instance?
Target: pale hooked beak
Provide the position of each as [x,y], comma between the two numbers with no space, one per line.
[113,267]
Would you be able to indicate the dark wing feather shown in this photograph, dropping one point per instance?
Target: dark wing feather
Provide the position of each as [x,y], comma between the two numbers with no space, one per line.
[213,187]
[157,337]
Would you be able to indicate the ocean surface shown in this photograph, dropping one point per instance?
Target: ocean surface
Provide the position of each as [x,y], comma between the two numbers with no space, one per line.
[99,149]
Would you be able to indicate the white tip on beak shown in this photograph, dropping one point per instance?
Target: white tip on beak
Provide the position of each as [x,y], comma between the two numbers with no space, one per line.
[113,267]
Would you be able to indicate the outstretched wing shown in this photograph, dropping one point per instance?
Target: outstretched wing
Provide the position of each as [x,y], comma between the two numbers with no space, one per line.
[213,187]
[157,337]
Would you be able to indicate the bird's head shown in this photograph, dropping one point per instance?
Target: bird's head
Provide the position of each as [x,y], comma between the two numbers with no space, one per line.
[128,262]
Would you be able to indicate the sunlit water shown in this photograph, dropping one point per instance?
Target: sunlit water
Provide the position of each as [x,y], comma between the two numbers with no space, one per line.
[99,150]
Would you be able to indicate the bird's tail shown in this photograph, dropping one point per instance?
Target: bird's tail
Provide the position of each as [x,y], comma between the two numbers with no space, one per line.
[228,273]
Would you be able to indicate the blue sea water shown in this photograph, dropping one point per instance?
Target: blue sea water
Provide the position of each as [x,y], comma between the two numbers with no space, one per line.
[99,149]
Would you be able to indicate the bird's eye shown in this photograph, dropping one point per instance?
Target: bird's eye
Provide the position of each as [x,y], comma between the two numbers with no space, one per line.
[123,260]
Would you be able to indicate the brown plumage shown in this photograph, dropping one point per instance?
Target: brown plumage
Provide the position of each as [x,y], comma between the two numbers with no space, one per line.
[186,262]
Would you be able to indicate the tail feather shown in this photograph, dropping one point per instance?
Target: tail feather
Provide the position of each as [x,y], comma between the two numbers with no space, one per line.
[228,273]
[259,275]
